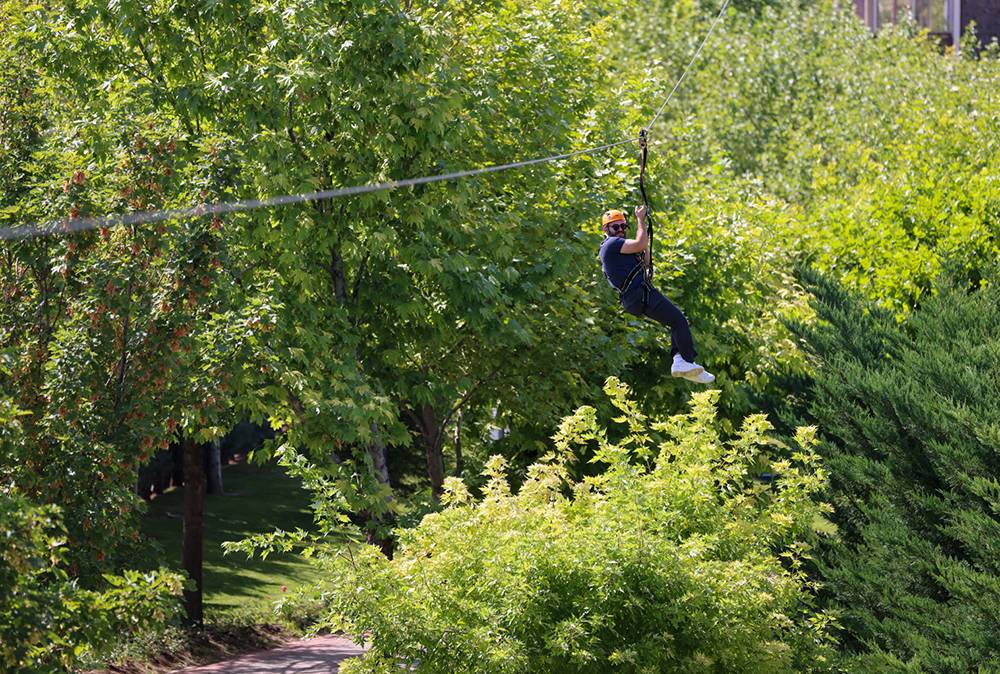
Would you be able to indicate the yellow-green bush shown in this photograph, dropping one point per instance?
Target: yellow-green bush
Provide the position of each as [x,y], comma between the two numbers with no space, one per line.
[673,559]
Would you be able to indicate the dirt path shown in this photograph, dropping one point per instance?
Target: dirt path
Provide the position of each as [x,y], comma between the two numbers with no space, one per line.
[320,655]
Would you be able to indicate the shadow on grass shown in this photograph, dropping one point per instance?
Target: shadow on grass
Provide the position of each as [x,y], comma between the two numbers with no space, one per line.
[257,500]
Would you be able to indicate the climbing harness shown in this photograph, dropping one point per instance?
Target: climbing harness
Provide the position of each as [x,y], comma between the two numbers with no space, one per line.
[642,265]
[647,286]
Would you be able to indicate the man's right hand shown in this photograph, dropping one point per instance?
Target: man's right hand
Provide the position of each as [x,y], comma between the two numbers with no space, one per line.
[641,241]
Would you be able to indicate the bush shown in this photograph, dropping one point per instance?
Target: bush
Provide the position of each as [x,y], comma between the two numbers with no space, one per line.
[673,559]
[46,621]
[912,416]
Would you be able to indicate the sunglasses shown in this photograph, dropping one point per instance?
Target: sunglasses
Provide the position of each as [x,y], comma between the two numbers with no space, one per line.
[616,226]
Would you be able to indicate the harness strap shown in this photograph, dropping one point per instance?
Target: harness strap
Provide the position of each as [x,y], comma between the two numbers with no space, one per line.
[646,286]
[645,200]
[642,166]
[635,271]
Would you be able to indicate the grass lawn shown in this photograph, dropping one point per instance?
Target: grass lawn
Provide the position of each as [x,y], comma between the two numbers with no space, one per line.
[257,500]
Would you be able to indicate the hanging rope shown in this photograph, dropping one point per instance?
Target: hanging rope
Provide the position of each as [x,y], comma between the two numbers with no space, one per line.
[644,152]
[643,145]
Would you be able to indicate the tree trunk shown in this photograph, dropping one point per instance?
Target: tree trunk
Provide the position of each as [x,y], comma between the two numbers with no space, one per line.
[376,523]
[177,464]
[459,457]
[380,541]
[431,432]
[215,468]
[377,452]
[192,538]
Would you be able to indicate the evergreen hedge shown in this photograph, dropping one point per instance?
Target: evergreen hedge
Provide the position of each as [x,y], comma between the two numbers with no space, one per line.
[911,416]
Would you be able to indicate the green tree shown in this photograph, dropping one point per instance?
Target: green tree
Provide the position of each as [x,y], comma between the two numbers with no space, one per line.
[375,289]
[911,415]
[103,333]
[47,620]
[118,340]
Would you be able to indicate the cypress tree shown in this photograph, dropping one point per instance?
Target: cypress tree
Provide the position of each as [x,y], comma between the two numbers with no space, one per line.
[911,416]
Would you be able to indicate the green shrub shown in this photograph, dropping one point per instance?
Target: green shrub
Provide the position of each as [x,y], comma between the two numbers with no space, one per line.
[46,621]
[674,559]
[912,415]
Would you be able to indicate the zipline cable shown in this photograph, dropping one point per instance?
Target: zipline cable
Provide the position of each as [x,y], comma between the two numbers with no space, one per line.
[64,226]
[690,63]
[643,140]
[146,217]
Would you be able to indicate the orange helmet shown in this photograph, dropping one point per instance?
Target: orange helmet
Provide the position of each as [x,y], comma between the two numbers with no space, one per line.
[613,223]
[612,216]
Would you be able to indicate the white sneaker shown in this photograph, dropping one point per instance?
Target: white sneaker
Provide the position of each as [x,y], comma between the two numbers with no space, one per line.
[703,377]
[682,368]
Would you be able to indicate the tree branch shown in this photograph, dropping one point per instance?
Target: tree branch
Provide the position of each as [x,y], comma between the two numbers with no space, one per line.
[291,134]
[123,360]
[413,417]
[468,394]
[337,275]
[362,268]
[163,83]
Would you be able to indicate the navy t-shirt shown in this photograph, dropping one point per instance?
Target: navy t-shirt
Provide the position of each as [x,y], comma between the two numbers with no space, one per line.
[616,264]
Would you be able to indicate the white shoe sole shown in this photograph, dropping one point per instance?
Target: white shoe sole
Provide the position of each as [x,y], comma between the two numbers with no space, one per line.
[687,374]
[702,378]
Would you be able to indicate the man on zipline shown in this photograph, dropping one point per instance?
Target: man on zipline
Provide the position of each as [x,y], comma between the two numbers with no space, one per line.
[625,262]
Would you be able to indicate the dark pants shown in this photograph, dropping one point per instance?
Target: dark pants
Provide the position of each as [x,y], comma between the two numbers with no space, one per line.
[663,311]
